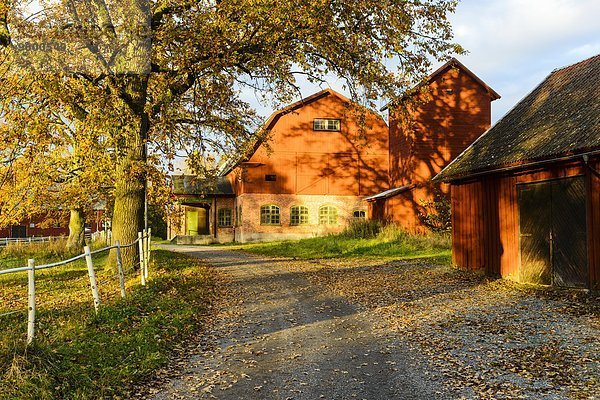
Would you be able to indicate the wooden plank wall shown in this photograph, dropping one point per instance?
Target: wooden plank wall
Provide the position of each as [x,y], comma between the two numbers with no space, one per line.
[485,226]
[594,224]
[467,222]
[485,221]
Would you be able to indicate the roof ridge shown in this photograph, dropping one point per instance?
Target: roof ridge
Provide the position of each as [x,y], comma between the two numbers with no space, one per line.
[575,63]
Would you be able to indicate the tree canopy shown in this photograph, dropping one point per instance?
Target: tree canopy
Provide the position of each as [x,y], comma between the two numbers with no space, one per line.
[168,73]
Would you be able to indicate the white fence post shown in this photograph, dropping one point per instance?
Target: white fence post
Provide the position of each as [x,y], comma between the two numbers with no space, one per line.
[149,250]
[145,240]
[92,274]
[120,267]
[141,248]
[31,301]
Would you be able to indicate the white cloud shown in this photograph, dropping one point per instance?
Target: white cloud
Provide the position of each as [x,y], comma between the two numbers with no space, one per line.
[514,44]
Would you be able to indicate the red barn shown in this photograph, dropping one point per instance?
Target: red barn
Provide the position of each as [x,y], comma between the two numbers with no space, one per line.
[310,178]
[437,121]
[526,194]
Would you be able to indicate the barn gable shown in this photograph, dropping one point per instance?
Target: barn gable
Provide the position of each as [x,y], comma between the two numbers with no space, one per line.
[560,117]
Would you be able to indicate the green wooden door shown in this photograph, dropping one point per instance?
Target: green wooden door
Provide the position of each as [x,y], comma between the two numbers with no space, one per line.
[191,219]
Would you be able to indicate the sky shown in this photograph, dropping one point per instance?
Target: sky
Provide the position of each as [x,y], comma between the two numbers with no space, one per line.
[512,44]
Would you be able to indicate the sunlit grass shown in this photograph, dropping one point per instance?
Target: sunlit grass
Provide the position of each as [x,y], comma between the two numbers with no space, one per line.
[388,241]
[80,354]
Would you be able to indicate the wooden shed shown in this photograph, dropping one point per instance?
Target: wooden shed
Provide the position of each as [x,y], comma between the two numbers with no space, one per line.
[526,194]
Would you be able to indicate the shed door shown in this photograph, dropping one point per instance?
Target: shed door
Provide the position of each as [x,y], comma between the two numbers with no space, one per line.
[569,233]
[203,221]
[553,232]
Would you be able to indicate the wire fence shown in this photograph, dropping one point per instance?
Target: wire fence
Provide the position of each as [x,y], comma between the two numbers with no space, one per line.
[59,287]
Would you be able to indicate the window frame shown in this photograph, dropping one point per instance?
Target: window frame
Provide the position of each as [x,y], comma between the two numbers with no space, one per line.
[328,216]
[326,127]
[223,218]
[271,214]
[303,217]
[359,218]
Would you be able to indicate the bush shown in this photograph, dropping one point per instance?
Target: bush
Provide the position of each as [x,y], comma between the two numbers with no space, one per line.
[436,214]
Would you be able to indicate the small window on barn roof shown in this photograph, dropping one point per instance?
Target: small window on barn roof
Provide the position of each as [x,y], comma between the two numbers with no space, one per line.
[327,124]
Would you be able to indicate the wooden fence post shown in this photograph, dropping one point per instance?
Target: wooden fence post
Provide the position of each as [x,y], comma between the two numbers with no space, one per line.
[149,249]
[92,274]
[31,301]
[120,267]
[141,248]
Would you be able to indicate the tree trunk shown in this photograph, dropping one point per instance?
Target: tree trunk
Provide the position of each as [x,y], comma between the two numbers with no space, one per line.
[76,239]
[130,179]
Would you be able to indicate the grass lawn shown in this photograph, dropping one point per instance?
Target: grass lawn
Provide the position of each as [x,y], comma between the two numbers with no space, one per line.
[80,355]
[387,242]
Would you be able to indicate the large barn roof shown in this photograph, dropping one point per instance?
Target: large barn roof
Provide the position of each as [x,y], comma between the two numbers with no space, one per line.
[560,117]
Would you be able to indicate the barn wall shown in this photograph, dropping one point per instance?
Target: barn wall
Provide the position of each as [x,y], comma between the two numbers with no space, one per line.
[309,162]
[485,220]
[467,232]
[423,140]
[594,224]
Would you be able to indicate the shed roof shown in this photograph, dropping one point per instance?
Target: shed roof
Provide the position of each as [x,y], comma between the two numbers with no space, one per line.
[390,193]
[192,185]
[560,117]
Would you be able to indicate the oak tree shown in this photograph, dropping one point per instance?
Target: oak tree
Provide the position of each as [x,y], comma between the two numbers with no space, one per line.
[168,73]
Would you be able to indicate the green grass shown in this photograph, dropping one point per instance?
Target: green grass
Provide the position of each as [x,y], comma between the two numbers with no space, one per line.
[361,241]
[80,355]
[15,255]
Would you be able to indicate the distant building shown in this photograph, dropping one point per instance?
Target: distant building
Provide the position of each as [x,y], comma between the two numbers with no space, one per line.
[526,194]
[38,225]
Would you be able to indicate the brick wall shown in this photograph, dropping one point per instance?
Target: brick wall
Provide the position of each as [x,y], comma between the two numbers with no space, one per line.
[252,230]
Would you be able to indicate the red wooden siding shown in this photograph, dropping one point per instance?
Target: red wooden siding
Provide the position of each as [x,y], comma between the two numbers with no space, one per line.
[455,111]
[485,220]
[305,161]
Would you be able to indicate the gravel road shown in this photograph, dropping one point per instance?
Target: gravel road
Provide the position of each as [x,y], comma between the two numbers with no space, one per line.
[286,338]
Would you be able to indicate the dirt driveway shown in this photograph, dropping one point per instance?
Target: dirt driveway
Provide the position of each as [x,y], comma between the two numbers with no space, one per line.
[287,338]
[369,329]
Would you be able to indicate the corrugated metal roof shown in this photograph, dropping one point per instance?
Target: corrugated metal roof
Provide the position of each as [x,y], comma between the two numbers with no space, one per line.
[559,117]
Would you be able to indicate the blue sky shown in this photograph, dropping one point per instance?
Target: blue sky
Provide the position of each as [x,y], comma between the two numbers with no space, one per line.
[512,44]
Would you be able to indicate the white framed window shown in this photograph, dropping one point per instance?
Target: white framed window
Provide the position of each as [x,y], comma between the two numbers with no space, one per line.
[359,214]
[269,215]
[328,215]
[327,124]
[299,215]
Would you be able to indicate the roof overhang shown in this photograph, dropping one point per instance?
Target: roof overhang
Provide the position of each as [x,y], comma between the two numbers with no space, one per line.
[516,167]
[390,193]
